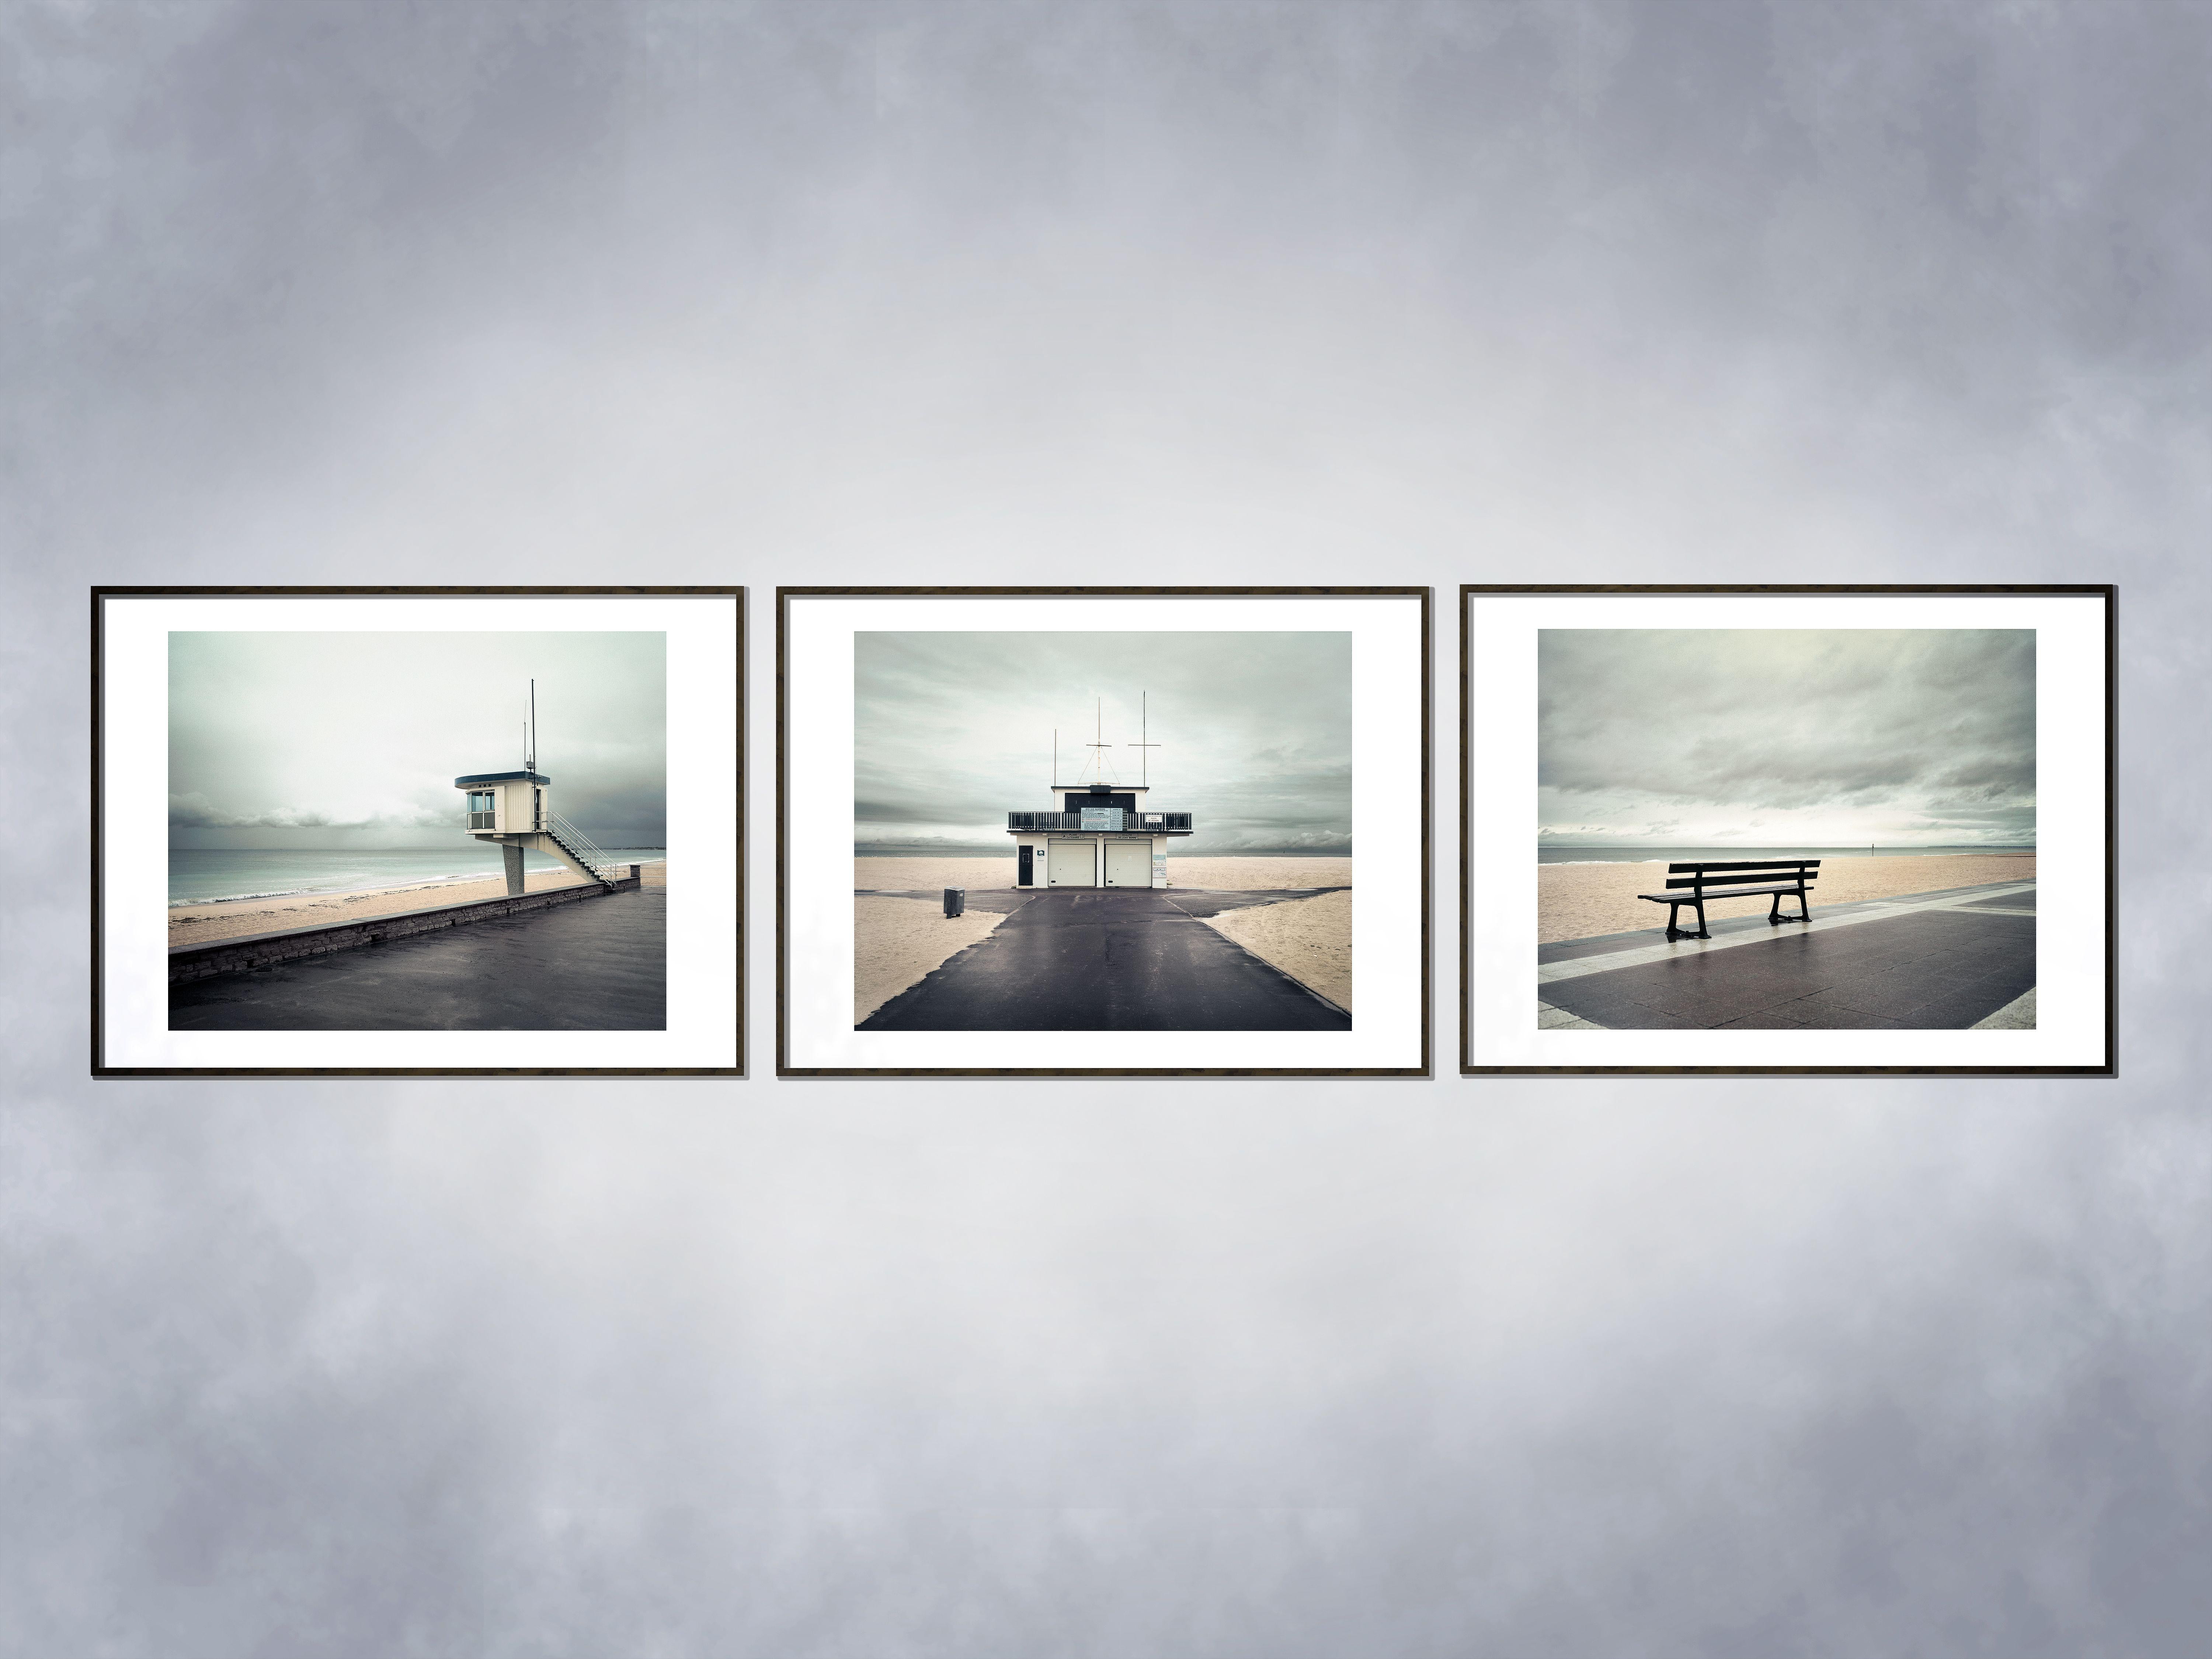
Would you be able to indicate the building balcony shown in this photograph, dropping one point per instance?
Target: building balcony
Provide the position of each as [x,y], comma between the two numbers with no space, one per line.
[1112,820]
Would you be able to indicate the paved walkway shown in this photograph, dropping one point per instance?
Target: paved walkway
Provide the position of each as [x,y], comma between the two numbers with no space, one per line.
[1093,959]
[1944,961]
[997,899]
[598,965]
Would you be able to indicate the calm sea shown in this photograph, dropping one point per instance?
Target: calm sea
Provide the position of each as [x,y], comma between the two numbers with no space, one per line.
[1548,853]
[197,877]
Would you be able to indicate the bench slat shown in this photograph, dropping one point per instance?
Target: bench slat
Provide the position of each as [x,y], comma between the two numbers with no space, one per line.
[1722,883]
[1763,864]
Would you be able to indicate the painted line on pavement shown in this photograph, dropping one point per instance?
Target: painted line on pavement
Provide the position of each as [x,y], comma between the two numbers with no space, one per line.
[1549,1018]
[1578,967]
[2018,1015]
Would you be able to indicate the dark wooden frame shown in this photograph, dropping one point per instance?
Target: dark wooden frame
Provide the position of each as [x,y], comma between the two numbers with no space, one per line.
[2105,592]
[99,595]
[784,595]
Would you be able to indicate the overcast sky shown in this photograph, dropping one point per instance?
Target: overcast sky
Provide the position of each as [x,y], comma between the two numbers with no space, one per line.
[1004,291]
[355,739]
[1786,736]
[951,731]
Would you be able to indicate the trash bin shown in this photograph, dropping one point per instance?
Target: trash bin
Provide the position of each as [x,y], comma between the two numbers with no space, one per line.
[955,901]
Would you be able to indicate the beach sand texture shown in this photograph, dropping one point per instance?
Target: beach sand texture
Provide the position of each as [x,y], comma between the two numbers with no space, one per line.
[1308,938]
[1581,901]
[1241,875]
[199,924]
[898,942]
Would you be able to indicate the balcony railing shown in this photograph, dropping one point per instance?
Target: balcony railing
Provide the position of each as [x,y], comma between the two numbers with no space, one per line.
[1135,823]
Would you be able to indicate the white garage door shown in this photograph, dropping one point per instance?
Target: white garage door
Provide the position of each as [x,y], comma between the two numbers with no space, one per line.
[1072,864]
[1129,864]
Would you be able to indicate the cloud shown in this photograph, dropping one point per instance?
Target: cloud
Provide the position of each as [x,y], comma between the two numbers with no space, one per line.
[366,731]
[193,810]
[954,731]
[1850,728]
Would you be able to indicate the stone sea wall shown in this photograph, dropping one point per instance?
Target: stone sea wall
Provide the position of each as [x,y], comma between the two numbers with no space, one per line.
[230,955]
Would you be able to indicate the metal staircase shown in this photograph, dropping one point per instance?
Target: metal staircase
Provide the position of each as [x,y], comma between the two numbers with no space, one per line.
[580,847]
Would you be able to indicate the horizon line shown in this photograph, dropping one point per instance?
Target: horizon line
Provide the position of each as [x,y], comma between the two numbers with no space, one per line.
[1687,840]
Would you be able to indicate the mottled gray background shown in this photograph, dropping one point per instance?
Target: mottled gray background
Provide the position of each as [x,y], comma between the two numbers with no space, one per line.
[1202,291]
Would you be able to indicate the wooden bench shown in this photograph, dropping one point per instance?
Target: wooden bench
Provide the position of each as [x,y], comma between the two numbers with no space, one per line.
[1739,880]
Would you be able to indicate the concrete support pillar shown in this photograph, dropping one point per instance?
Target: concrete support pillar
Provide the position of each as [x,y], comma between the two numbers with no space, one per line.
[513,857]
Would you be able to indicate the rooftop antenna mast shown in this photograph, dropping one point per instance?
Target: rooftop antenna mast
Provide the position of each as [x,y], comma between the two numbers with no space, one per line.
[530,762]
[1144,725]
[1097,757]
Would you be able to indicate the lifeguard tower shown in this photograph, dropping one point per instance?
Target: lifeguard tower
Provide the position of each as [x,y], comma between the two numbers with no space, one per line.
[515,810]
[1099,832]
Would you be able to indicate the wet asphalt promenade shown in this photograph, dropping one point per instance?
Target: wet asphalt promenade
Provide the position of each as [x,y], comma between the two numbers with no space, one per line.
[1942,961]
[1108,959]
[599,964]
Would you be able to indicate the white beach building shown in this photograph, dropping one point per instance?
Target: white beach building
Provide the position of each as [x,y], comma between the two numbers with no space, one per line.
[1095,835]
[515,810]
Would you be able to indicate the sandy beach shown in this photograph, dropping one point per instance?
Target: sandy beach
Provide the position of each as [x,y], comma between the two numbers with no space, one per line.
[897,942]
[197,924]
[1308,938]
[1581,901]
[1241,875]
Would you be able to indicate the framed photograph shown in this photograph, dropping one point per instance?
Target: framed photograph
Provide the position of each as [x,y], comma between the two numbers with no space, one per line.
[1101,831]
[1787,829]
[417,831]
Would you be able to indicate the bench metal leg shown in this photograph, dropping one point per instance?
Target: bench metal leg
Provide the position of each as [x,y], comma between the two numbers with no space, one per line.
[1774,909]
[1675,910]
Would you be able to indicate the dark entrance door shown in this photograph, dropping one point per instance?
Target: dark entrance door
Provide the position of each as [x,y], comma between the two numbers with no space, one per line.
[1022,875]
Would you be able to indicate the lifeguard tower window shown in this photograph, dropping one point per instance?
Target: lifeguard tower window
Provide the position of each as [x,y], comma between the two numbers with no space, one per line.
[1095,797]
[481,813]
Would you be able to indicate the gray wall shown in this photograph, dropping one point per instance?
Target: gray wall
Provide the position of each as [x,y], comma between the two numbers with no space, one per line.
[979,292]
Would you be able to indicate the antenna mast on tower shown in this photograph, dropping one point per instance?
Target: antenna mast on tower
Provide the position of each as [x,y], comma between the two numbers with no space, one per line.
[1144,729]
[1097,749]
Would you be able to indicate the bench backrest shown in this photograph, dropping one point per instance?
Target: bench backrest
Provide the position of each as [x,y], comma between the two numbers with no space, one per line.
[1764,873]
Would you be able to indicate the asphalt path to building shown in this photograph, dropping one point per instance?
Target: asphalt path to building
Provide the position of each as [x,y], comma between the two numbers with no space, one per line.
[1928,962]
[598,964]
[1103,959]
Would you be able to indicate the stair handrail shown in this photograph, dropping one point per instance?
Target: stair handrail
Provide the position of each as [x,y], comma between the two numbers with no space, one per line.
[587,851]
